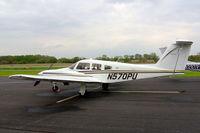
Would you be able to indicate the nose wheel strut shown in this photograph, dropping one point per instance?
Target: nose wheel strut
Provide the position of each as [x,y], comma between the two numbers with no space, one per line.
[83,89]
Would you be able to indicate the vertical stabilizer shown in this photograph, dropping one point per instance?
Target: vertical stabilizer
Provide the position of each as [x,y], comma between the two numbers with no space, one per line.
[175,56]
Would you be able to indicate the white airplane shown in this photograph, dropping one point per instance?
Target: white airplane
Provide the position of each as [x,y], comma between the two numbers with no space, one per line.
[192,66]
[89,71]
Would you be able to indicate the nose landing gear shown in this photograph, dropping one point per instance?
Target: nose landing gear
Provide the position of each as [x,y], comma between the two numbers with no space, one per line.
[83,89]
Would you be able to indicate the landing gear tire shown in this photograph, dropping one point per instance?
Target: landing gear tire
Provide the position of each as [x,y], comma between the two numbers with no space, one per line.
[105,86]
[55,89]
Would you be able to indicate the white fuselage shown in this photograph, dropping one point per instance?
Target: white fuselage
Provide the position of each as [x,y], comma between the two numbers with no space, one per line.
[111,72]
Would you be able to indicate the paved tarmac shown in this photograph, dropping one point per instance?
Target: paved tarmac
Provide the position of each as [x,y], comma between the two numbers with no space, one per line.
[160,105]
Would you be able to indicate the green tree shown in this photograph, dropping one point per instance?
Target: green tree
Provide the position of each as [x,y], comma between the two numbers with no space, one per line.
[138,56]
[126,59]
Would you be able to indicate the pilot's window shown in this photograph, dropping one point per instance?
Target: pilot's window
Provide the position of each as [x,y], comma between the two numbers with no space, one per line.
[72,66]
[83,66]
[96,66]
[107,67]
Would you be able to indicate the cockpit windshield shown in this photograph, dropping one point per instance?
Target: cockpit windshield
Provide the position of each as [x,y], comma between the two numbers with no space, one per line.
[72,66]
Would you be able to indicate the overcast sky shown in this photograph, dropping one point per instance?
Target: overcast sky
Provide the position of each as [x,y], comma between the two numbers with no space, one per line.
[90,28]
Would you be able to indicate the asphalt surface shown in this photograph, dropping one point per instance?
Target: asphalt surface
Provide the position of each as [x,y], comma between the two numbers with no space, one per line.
[160,105]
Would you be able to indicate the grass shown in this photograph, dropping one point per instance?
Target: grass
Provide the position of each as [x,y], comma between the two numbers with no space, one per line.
[8,73]
[189,74]
[28,68]
[36,65]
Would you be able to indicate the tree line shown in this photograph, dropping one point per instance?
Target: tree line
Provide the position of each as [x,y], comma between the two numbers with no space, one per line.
[137,58]
[31,59]
[194,58]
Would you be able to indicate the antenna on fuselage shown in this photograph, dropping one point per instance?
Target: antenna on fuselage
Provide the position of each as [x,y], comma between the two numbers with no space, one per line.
[50,66]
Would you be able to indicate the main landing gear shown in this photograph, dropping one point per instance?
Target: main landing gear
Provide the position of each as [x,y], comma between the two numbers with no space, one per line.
[82,90]
[55,88]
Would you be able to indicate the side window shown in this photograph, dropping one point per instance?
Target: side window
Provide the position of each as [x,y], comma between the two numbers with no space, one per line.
[83,66]
[72,66]
[96,66]
[106,67]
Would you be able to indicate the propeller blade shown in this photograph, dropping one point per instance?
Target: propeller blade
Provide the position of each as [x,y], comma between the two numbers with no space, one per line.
[36,83]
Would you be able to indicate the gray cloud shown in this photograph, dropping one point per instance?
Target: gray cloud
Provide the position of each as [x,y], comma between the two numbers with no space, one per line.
[91,28]
[120,1]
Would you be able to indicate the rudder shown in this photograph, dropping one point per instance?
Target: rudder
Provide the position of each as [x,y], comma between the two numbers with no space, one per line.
[175,56]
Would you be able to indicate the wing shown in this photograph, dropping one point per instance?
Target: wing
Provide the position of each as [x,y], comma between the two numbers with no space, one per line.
[86,79]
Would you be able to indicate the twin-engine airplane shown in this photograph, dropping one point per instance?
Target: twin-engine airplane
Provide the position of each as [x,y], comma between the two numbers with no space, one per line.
[88,71]
[191,66]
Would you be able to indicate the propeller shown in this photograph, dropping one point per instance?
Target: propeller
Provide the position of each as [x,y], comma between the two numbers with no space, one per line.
[38,81]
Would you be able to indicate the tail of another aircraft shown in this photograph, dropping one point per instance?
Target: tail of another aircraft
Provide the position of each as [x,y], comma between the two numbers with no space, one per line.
[175,56]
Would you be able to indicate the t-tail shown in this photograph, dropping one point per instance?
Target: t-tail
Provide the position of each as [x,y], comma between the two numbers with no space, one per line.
[175,56]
